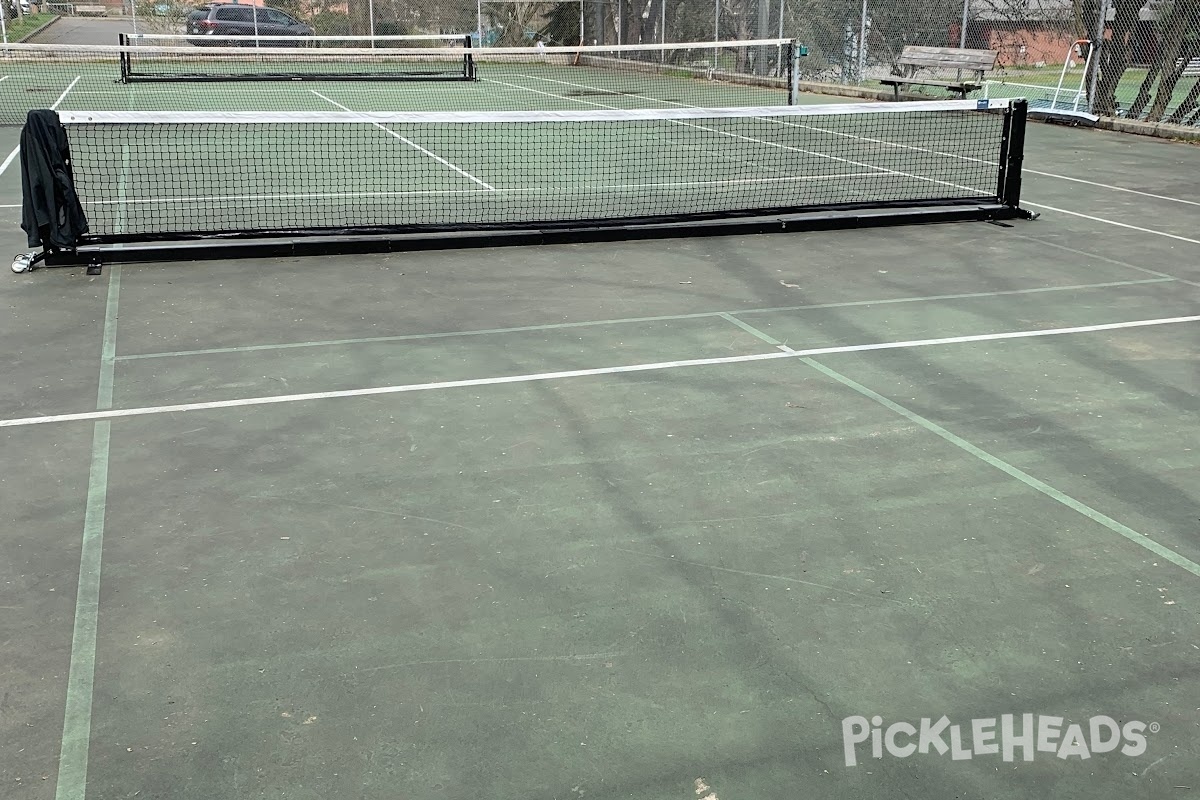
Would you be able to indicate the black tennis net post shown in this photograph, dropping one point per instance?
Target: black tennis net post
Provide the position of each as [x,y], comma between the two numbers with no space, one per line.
[792,53]
[469,60]
[1012,153]
[123,41]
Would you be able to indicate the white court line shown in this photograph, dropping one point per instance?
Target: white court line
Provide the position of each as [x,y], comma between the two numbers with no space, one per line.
[1113,222]
[1108,259]
[930,151]
[412,144]
[785,123]
[1024,169]
[579,373]
[515,190]
[11,158]
[777,145]
[13,155]
[1027,202]
[1114,188]
[554,326]
[898,144]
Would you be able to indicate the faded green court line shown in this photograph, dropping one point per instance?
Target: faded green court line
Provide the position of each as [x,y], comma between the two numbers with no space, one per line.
[634,320]
[1139,539]
[77,716]
[1106,259]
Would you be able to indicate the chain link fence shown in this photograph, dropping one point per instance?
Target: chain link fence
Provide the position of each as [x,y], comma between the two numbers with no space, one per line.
[1148,66]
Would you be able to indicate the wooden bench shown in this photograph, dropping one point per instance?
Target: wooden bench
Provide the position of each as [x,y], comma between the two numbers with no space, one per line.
[940,60]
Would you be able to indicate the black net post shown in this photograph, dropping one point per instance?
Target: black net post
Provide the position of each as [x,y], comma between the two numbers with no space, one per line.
[123,41]
[792,53]
[468,60]
[1012,154]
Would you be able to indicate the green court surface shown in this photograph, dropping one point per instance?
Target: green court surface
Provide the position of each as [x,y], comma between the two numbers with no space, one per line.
[615,520]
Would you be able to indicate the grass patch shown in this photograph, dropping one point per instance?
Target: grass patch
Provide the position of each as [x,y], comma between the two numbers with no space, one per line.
[1127,88]
[25,25]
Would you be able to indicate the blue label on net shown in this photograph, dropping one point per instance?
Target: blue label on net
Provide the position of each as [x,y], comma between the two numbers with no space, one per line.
[983,105]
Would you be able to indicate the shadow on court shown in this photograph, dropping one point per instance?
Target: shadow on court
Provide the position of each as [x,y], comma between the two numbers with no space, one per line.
[523,570]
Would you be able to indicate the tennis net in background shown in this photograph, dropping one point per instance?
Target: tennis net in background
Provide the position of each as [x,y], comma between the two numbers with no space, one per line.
[768,58]
[710,75]
[290,64]
[174,176]
[219,40]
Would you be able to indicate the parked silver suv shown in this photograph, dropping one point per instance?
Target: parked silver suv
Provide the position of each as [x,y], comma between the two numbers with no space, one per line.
[235,19]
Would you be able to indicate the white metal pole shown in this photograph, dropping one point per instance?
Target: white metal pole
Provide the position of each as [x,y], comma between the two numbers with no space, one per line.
[862,42]
[371,12]
[1087,68]
[662,29]
[962,34]
[716,31]
[581,15]
[1096,49]
[3,27]
[779,55]
[479,20]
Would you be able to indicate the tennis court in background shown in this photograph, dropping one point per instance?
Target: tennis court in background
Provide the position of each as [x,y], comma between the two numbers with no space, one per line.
[643,519]
[567,78]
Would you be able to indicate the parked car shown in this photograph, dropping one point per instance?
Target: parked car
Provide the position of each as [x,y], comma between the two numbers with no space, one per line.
[235,19]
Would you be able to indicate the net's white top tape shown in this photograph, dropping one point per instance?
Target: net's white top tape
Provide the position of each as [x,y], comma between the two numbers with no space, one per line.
[453,117]
[405,37]
[66,50]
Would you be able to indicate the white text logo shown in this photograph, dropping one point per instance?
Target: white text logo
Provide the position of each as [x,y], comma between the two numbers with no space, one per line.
[1009,736]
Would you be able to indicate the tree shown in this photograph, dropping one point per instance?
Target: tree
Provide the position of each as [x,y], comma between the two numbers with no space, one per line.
[1114,56]
[359,18]
[562,24]
[515,22]
[896,25]
[161,16]
[1178,23]
[1190,51]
